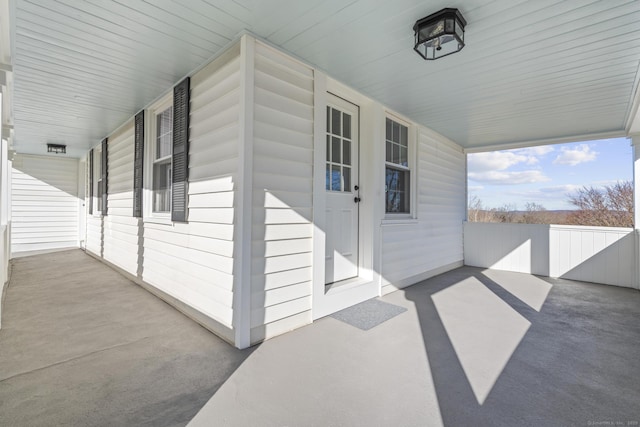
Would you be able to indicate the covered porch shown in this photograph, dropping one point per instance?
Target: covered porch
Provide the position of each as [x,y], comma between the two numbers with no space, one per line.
[468,347]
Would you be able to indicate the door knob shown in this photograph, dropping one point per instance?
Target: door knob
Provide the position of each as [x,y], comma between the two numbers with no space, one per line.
[357,199]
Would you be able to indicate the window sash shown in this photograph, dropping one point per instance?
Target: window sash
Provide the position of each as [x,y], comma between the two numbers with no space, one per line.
[161,168]
[397,190]
[398,168]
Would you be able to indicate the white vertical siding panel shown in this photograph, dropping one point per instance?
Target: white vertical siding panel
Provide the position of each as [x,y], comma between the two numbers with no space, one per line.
[193,261]
[591,254]
[44,205]
[282,188]
[440,214]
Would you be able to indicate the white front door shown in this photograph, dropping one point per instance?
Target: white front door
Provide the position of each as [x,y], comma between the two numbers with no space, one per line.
[341,190]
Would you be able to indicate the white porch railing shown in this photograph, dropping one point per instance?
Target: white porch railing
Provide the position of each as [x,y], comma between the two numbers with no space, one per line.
[592,254]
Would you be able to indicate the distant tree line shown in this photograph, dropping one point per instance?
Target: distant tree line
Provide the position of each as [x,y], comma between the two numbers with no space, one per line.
[611,206]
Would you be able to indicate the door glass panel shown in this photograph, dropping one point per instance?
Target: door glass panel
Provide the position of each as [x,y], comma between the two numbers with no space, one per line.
[346,125]
[328,148]
[346,152]
[346,179]
[328,178]
[335,150]
[335,122]
[335,178]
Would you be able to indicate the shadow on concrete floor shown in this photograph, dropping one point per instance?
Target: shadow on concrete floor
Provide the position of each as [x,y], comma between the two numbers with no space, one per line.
[82,345]
[575,364]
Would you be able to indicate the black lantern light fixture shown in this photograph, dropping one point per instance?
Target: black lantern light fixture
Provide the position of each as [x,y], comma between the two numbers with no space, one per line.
[439,34]
[56,148]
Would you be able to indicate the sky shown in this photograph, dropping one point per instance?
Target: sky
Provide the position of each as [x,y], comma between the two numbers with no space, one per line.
[547,174]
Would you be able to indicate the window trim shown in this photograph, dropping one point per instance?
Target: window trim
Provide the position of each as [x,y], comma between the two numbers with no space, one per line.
[394,217]
[150,135]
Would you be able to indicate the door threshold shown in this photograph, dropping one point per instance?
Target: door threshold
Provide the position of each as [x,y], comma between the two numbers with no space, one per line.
[343,285]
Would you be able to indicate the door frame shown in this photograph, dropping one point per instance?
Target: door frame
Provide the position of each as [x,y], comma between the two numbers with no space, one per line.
[367,285]
[347,107]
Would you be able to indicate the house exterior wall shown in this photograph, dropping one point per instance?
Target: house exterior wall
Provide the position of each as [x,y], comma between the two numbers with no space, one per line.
[190,264]
[247,259]
[193,261]
[44,203]
[282,194]
[121,230]
[415,250]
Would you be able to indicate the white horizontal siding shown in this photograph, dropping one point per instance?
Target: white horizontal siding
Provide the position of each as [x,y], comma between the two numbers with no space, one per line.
[94,231]
[434,240]
[44,203]
[282,188]
[121,229]
[193,262]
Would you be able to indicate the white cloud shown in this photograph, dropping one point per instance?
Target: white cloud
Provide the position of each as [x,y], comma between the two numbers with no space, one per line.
[540,150]
[501,160]
[509,177]
[574,156]
[494,161]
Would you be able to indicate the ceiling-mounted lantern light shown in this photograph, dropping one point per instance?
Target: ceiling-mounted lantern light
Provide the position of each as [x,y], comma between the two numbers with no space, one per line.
[56,148]
[439,34]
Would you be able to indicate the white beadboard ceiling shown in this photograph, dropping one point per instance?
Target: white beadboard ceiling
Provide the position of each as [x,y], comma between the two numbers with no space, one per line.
[531,70]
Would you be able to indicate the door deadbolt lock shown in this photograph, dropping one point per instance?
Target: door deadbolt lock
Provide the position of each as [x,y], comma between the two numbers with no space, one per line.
[357,199]
[356,188]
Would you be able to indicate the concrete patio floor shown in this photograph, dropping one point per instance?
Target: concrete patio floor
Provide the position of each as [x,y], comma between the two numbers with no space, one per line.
[81,345]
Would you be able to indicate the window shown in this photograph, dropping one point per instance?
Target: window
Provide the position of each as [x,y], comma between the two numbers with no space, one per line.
[163,150]
[97,178]
[397,170]
[166,160]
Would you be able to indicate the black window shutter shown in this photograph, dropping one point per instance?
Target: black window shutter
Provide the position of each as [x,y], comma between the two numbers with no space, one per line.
[138,164]
[105,175]
[180,166]
[91,182]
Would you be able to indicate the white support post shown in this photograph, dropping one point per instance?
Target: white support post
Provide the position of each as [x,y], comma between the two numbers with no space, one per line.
[243,206]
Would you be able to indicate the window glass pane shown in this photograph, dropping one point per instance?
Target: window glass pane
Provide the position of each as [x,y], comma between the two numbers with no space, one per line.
[397,191]
[164,133]
[335,149]
[403,136]
[99,195]
[389,135]
[346,179]
[346,152]
[389,155]
[328,148]
[346,125]
[335,121]
[396,154]
[162,186]
[335,178]
[403,156]
[396,132]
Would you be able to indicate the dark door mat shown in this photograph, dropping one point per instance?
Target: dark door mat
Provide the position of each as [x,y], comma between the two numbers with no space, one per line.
[368,314]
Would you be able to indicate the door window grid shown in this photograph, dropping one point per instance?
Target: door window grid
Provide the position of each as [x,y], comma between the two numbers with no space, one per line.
[338,156]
